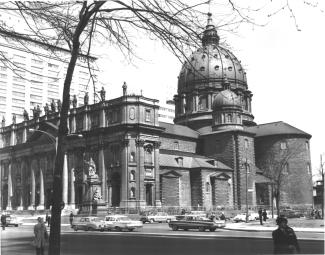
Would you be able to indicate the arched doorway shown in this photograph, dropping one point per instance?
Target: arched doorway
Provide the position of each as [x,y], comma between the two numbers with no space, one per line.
[116,189]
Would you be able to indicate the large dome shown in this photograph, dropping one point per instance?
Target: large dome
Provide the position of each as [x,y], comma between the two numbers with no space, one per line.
[203,76]
[208,65]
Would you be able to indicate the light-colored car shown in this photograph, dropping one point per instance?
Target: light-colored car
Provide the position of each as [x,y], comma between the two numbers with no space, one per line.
[157,217]
[121,222]
[88,223]
[242,217]
[12,221]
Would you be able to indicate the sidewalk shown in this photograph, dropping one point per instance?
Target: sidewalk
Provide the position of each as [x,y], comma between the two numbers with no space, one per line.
[242,226]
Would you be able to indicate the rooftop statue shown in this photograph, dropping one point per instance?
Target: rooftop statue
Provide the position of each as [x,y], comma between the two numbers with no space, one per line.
[91,168]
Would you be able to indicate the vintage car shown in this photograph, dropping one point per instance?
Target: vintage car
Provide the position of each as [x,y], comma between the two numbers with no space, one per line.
[201,223]
[121,222]
[157,217]
[12,221]
[242,217]
[88,223]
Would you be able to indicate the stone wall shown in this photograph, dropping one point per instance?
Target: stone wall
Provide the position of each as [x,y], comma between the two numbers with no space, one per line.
[297,179]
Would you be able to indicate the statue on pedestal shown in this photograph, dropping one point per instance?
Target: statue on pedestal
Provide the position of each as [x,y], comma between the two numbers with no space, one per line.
[91,168]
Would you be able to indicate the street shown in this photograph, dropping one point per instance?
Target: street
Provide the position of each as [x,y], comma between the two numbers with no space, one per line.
[157,239]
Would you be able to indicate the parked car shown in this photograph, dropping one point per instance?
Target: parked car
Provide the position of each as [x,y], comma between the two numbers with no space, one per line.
[12,221]
[88,223]
[121,222]
[187,222]
[242,217]
[290,213]
[157,217]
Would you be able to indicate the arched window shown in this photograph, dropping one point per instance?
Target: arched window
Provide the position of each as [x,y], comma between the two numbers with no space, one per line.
[203,103]
[229,118]
[148,153]
[176,145]
[132,175]
[132,192]
[207,187]
[132,156]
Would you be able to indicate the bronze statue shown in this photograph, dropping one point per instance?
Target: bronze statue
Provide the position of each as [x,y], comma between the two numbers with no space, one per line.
[59,105]
[53,106]
[74,101]
[25,114]
[102,94]
[86,99]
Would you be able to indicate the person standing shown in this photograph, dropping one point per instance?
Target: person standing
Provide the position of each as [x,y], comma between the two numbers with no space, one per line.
[264,214]
[71,218]
[3,221]
[41,236]
[284,238]
[260,215]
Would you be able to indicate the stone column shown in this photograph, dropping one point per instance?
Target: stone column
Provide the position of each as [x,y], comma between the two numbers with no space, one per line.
[102,170]
[10,191]
[73,121]
[1,170]
[183,103]
[124,174]
[109,195]
[65,179]
[86,119]
[41,190]
[140,172]
[25,133]
[156,191]
[102,117]
[210,101]
[33,188]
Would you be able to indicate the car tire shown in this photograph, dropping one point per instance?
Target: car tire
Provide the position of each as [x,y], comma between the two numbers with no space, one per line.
[118,229]
[201,229]
[152,221]
[75,228]
[174,228]
[89,229]
[131,229]
[16,225]
[212,229]
[185,229]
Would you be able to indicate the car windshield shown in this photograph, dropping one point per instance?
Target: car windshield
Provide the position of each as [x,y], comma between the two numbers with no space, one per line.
[95,219]
[123,218]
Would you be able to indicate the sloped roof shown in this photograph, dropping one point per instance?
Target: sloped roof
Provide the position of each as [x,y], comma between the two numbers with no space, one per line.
[193,161]
[180,130]
[276,128]
[259,178]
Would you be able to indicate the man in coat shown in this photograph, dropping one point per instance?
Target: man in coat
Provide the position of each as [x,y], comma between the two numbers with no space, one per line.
[3,221]
[284,238]
[41,236]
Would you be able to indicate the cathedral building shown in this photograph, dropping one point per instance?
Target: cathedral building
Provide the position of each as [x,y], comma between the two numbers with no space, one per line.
[213,156]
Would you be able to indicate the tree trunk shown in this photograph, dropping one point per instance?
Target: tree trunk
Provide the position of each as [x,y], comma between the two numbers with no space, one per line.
[55,236]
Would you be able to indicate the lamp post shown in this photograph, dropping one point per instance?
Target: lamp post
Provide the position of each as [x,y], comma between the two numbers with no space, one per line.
[246,168]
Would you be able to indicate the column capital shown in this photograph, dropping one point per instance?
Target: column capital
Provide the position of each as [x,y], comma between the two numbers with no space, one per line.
[156,144]
[139,142]
[125,142]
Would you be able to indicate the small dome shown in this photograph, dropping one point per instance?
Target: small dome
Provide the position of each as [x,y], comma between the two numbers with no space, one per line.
[226,98]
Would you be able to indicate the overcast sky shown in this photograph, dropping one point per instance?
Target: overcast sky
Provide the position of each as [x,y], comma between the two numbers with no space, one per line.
[285,70]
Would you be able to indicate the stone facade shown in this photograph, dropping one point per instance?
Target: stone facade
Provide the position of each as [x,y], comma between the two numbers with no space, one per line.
[117,153]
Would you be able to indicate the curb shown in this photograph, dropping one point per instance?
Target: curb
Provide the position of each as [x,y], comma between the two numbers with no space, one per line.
[271,229]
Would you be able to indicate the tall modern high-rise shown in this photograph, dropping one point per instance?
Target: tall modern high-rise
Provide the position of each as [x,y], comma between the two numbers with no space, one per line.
[32,73]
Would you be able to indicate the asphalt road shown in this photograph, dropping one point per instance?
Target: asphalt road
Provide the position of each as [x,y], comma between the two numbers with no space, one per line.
[155,239]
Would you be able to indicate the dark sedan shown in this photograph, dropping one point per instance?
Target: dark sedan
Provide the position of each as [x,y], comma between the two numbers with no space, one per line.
[187,222]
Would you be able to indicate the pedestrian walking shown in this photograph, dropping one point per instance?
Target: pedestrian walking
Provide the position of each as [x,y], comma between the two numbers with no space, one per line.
[41,236]
[260,215]
[71,218]
[49,220]
[3,221]
[264,214]
[222,216]
[284,238]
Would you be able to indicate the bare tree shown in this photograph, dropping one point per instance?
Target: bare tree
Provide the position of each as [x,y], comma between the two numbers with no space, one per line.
[276,166]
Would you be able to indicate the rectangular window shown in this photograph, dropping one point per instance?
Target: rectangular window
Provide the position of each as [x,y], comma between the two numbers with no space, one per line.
[148,115]
[54,66]
[19,79]
[18,102]
[3,75]
[34,97]
[17,109]
[307,145]
[53,94]
[37,61]
[18,94]
[2,100]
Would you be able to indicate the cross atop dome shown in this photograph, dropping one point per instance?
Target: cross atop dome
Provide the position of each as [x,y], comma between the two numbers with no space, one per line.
[210,34]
